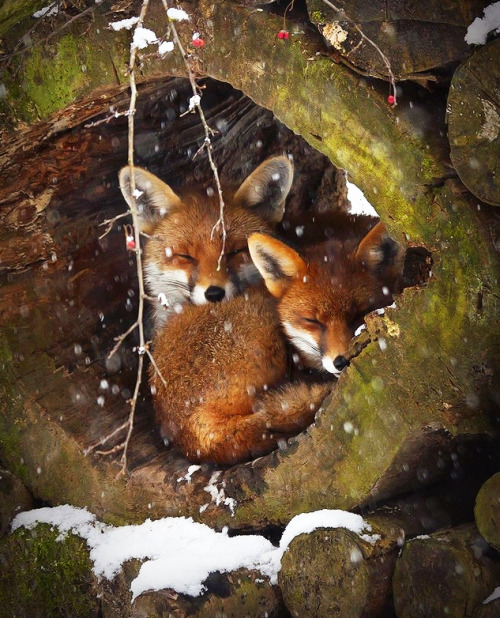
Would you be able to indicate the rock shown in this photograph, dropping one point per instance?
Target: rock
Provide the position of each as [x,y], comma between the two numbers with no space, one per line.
[14,497]
[487,511]
[232,595]
[474,122]
[445,574]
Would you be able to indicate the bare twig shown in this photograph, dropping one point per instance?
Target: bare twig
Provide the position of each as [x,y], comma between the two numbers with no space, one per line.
[102,441]
[155,366]
[207,144]
[385,60]
[110,222]
[138,324]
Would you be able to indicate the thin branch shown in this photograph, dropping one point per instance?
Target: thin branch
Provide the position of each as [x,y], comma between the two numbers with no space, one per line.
[385,60]
[102,441]
[110,222]
[155,366]
[220,223]
[119,340]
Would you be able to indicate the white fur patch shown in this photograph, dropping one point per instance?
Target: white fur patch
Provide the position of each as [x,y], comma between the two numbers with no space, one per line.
[170,286]
[198,295]
[305,343]
[329,366]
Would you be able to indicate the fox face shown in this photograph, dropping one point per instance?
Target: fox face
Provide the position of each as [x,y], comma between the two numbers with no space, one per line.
[190,257]
[324,297]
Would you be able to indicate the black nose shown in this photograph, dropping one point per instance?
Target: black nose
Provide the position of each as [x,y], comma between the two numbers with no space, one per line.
[340,362]
[214,294]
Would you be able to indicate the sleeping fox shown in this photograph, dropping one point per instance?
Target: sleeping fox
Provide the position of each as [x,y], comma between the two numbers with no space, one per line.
[182,255]
[227,394]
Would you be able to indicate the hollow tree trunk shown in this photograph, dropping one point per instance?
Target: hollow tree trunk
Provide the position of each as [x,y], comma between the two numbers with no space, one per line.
[397,414]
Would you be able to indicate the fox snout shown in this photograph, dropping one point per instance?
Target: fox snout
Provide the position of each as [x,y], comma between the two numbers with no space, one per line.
[214,294]
[336,365]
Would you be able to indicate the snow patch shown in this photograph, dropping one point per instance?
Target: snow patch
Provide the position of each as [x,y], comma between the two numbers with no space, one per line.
[478,31]
[359,204]
[177,14]
[124,24]
[47,11]
[493,596]
[178,552]
[143,37]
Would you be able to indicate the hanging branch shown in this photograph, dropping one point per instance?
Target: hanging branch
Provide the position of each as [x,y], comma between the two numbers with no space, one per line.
[195,103]
[142,348]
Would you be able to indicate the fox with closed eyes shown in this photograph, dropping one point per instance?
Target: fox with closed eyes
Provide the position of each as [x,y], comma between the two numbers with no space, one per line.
[186,258]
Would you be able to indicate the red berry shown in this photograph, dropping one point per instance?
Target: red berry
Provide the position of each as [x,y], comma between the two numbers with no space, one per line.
[130,243]
[198,42]
[391,99]
[283,34]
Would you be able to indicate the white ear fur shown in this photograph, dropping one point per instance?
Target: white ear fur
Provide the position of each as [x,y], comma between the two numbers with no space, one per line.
[267,187]
[278,263]
[154,199]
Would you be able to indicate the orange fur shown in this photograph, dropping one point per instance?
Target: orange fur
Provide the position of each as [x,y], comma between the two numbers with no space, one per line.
[228,394]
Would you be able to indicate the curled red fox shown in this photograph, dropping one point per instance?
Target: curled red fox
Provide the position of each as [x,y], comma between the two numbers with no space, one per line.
[227,395]
[186,259]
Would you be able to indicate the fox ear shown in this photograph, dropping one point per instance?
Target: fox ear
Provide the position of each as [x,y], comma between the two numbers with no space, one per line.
[267,187]
[154,198]
[278,263]
[381,253]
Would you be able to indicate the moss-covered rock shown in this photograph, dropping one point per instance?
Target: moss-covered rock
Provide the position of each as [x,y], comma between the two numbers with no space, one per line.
[487,511]
[45,575]
[240,594]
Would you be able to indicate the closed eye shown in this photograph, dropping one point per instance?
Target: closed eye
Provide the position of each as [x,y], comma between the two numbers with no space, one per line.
[313,322]
[231,254]
[185,257]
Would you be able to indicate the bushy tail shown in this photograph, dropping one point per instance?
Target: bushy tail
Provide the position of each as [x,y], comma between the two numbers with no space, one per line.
[277,414]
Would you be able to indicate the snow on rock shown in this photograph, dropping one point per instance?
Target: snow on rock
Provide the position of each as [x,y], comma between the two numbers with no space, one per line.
[359,204]
[478,31]
[178,552]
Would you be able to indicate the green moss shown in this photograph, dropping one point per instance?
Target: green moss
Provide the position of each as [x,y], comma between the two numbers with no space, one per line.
[14,11]
[317,17]
[45,576]
[51,85]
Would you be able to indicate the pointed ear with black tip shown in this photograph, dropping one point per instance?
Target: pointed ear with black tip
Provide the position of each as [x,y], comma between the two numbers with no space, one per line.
[267,187]
[278,263]
[381,254]
[154,198]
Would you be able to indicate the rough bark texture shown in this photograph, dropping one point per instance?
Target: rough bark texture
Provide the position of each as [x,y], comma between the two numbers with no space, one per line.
[446,574]
[396,416]
[474,122]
